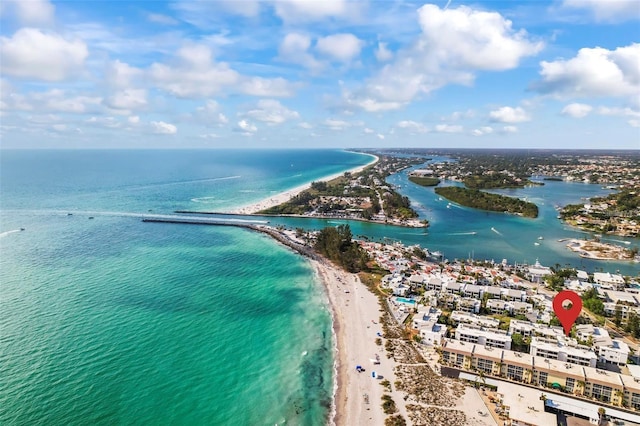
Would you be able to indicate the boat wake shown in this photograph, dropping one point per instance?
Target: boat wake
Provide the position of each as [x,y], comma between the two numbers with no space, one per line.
[623,242]
[496,231]
[4,234]
[464,233]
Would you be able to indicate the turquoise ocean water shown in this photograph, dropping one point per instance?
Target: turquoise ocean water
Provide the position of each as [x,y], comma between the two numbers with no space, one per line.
[113,321]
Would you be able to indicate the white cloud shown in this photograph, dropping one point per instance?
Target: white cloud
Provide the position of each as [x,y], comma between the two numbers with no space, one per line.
[108,122]
[621,112]
[634,123]
[412,126]
[33,12]
[245,127]
[31,53]
[158,18]
[294,49]
[576,110]
[128,100]
[160,127]
[54,100]
[453,44]
[368,130]
[210,136]
[448,128]
[267,87]
[210,113]
[458,115]
[341,47]
[485,130]
[509,115]
[305,125]
[134,119]
[380,136]
[334,124]
[122,75]
[306,10]
[594,72]
[271,112]
[473,39]
[509,129]
[194,73]
[603,10]
[382,53]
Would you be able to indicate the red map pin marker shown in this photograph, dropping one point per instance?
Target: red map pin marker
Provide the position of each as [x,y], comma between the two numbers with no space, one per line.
[567,316]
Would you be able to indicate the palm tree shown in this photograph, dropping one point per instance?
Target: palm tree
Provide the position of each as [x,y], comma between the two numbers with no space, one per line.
[601,413]
[580,384]
[620,396]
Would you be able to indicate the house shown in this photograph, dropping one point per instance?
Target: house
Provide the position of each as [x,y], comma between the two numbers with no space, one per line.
[556,349]
[487,337]
[617,352]
[608,280]
[537,272]
[472,290]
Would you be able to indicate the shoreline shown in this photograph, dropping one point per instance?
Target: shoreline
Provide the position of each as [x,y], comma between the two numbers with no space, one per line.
[598,250]
[285,196]
[353,308]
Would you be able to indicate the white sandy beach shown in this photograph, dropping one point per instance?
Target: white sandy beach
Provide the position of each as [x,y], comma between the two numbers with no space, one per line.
[282,197]
[356,312]
[355,323]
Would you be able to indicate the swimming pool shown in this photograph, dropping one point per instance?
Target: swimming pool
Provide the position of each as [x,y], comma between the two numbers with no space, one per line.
[405,300]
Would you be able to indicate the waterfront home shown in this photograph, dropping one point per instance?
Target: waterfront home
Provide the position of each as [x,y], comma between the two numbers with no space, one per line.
[426,322]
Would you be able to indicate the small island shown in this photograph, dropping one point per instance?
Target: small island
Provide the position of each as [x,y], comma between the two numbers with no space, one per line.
[487,201]
[424,181]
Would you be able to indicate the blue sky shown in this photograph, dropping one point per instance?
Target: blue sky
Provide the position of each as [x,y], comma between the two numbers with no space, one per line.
[324,73]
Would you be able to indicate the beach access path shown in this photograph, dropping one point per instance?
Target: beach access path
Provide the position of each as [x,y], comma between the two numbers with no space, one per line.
[285,196]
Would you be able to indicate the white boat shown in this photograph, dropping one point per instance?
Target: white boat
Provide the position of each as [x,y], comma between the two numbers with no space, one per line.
[541,238]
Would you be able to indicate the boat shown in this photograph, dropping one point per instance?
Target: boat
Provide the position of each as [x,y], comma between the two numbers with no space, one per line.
[22,229]
[90,217]
[541,238]
[69,214]
[536,244]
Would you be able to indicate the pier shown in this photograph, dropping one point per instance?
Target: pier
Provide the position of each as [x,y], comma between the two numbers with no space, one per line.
[272,232]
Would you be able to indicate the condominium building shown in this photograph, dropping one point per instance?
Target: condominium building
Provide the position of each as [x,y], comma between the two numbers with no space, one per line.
[605,386]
